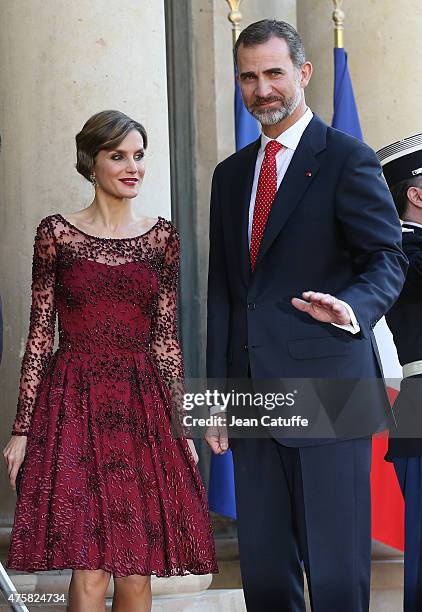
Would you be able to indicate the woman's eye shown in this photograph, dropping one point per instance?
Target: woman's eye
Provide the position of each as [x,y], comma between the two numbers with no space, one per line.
[117,156]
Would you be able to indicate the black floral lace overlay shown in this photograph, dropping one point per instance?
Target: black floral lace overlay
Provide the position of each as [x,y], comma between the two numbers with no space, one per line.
[107,482]
[40,341]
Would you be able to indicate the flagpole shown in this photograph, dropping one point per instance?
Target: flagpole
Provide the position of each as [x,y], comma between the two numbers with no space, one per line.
[338,18]
[235,17]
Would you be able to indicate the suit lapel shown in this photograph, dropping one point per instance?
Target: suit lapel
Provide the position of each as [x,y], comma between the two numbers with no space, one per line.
[240,205]
[301,172]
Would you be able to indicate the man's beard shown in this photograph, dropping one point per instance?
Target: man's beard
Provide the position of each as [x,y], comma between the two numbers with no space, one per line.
[273,116]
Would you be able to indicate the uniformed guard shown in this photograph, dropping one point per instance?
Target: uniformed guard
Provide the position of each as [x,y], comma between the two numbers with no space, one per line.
[402,168]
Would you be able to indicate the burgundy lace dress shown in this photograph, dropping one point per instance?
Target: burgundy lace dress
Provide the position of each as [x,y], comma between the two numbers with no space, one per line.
[106,482]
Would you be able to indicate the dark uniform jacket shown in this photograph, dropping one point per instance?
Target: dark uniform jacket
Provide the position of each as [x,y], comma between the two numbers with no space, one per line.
[405,322]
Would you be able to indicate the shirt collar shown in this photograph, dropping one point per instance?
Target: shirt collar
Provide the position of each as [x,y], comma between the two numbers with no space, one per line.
[412,223]
[291,137]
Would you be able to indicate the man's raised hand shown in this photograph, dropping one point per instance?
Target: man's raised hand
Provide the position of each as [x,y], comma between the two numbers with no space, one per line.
[323,307]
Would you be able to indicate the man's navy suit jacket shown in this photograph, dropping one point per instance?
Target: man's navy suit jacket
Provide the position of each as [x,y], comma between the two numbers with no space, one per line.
[333,228]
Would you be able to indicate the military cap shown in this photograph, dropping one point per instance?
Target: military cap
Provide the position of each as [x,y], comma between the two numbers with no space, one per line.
[401,160]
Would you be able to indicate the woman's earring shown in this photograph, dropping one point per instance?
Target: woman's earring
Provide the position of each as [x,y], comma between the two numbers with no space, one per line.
[93,179]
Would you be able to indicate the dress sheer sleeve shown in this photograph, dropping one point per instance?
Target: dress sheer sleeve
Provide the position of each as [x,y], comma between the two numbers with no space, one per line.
[165,339]
[39,346]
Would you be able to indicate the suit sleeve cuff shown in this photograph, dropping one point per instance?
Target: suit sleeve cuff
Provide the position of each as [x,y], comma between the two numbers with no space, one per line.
[352,327]
[216,410]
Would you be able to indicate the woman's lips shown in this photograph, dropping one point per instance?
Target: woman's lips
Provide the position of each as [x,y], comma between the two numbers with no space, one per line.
[129,182]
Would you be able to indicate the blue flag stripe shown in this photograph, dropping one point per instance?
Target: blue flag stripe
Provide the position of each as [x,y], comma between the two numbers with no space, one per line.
[345,116]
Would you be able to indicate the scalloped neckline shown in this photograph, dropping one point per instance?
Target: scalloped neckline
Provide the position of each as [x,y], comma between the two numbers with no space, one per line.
[109,239]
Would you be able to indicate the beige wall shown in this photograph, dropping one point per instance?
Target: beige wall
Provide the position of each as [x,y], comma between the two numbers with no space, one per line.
[60,62]
[383,44]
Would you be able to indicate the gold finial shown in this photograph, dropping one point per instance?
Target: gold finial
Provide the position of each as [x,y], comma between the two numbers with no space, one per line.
[338,18]
[235,17]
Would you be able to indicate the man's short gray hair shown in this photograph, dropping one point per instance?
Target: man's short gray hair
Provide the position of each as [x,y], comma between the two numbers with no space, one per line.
[261,31]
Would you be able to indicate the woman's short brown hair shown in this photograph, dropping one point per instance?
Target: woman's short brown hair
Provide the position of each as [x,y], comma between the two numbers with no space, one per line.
[103,131]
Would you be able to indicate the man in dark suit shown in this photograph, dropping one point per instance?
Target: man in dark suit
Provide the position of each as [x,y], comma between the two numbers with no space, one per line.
[402,167]
[305,258]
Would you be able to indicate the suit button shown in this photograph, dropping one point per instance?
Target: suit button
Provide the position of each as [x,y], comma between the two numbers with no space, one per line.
[251,306]
[245,347]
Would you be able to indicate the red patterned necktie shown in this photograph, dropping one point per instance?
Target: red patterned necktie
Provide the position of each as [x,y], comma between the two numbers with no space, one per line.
[265,194]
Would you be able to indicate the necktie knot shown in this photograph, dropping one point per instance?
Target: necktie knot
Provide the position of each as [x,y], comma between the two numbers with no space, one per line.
[272,148]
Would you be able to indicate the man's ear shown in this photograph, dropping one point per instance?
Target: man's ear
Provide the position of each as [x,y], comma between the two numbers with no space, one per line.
[414,195]
[305,74]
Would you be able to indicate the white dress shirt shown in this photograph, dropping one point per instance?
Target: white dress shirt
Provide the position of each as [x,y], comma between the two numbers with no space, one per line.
[290,140]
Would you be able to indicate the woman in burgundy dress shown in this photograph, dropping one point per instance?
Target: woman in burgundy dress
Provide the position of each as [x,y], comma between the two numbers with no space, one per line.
[109,484]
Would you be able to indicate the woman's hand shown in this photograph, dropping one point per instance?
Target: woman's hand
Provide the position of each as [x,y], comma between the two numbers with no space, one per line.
[193,450]
[14,454]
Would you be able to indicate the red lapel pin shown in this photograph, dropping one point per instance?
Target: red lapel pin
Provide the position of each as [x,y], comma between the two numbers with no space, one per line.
[308,173]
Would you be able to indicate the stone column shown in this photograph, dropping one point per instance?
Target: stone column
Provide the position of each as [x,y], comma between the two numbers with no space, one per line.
[383,45]
[60,62]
